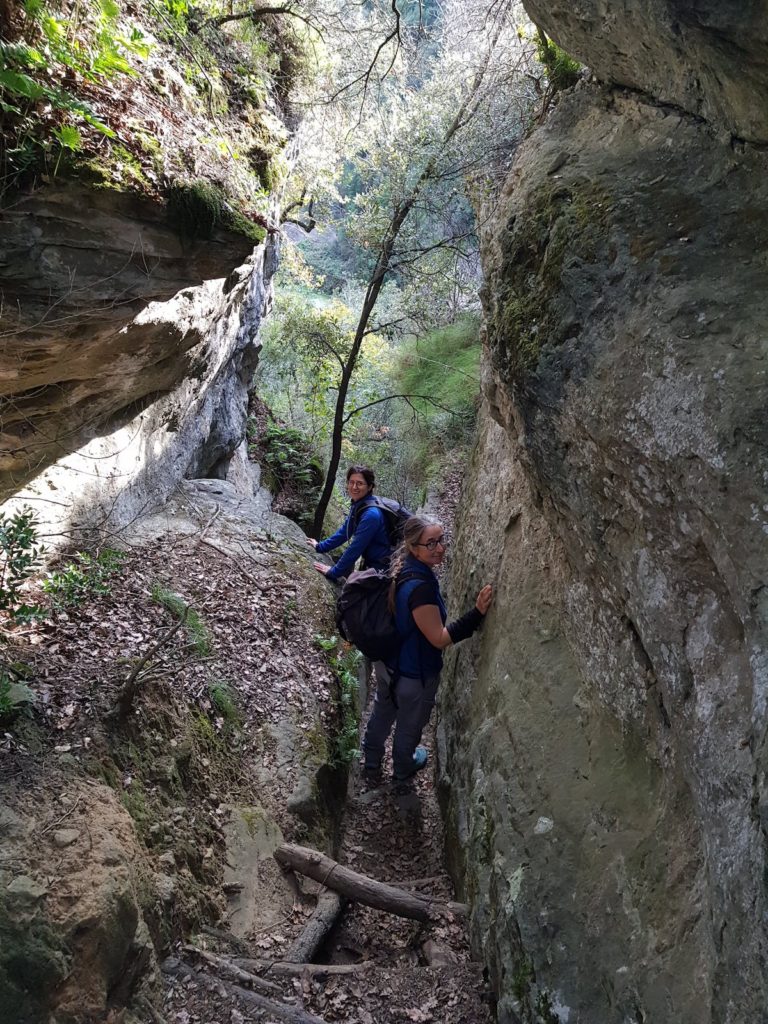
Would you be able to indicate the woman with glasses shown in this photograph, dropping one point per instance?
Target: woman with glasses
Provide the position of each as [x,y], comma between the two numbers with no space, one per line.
[364,529]
[406,688]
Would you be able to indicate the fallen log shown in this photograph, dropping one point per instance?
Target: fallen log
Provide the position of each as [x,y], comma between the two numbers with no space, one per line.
[324,916]
[293,1014]
[360,888]
[291,970]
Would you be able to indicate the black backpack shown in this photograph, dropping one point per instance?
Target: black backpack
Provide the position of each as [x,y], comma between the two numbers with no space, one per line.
[363,616]
[395,516]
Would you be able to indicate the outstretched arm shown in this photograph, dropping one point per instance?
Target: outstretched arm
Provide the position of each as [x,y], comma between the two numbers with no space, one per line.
[427,618]
[367,529]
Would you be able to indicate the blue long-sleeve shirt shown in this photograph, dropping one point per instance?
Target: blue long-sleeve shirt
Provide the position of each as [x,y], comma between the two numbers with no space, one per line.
[369,540]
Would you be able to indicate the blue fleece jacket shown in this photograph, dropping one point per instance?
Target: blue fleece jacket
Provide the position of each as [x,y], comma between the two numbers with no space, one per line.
[369,540]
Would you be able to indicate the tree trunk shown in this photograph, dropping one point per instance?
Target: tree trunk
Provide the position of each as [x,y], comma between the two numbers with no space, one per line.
[376,281]
[360,888]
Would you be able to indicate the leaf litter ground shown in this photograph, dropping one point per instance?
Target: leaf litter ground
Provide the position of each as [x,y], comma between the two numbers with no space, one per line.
[262,619]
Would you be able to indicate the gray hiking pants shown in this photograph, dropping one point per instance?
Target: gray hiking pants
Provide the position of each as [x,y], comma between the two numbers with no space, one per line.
[415,700]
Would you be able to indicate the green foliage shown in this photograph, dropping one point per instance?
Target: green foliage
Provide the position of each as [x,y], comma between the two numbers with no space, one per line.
[344,661]
[178,9]
[20,556]
[41,118]
[294,474]
[196,629]
[562,70]
[222,699]
[444,365]
[196,208]
[84,577]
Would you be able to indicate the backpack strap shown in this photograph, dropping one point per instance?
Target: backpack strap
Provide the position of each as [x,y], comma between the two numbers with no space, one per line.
[370,501]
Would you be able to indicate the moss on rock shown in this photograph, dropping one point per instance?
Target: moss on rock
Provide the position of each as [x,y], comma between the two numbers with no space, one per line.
[561,226]
[197,208]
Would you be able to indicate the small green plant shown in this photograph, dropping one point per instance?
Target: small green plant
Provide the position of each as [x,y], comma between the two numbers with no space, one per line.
[222,699]
[82,578]
[196,629]
[40,118]
[20,556]
[562,70]
[344,663]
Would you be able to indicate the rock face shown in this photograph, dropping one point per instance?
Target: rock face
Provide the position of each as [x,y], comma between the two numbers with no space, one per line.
[609,809]
[73,936]
[706,57]
[128,353]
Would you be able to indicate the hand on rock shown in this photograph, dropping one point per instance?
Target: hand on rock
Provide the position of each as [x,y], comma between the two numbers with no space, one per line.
[322,567]
[484,599]
[311,542]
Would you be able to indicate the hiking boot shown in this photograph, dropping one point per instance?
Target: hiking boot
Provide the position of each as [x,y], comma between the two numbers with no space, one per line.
[370,777]
[420,758]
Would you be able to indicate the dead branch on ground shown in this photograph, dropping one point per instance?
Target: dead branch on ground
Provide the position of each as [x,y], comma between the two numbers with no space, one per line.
[222,964]
[293,970]
[130,687]
[361,888]
[325,915]
[293,1014]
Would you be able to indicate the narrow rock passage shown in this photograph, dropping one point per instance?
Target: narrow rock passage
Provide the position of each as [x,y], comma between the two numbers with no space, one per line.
[423,972]
[373,967]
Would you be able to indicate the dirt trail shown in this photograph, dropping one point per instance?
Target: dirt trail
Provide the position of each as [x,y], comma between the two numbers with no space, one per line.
[399,971]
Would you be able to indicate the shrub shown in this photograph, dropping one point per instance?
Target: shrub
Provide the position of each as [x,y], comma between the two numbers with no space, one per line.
[562,70]
[20,556]
[82,578]
[294,474]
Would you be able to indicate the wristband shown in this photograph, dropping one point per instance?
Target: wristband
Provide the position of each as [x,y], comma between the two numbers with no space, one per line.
[464,627]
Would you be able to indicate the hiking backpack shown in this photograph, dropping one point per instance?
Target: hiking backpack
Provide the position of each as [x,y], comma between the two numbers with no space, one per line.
[395,516]
[363,616]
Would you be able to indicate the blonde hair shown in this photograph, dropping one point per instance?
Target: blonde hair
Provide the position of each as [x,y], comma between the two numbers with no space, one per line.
[413,529]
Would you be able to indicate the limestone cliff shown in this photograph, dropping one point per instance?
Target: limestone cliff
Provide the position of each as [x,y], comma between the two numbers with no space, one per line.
[135,272]
[609,809]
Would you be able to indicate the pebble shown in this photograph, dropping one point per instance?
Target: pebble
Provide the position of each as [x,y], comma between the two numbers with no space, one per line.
[64,837]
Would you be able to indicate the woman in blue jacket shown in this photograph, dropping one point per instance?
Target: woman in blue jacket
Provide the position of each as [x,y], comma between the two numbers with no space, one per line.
[364,528]
[406,689]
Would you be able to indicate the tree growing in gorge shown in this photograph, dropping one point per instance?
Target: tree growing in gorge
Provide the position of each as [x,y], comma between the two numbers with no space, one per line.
[447,127]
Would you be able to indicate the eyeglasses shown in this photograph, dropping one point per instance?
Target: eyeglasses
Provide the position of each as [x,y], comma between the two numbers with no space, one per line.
[430,545]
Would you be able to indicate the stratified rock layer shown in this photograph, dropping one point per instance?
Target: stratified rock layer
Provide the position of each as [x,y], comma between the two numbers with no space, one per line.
[604,743]
[706,57]
[127,354]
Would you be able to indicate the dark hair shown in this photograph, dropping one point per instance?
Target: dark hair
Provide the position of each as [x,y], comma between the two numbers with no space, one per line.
[366,473]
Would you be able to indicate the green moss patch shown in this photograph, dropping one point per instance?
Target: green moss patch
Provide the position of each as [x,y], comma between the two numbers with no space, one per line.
[198,208]
[562,226]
